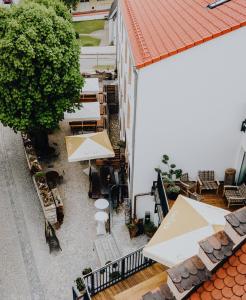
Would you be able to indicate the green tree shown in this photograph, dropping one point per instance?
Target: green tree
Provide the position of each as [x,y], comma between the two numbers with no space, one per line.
[71,3]
[59,6]
[39,70]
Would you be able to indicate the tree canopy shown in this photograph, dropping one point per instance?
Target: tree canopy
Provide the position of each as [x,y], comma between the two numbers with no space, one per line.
[39,65]
[71,3]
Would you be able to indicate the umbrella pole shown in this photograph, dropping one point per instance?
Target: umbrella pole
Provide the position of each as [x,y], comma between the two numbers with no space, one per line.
[87,170]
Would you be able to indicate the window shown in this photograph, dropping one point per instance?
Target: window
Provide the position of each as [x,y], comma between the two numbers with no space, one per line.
[130,71]
[126,52]
[128,114]
[124,88]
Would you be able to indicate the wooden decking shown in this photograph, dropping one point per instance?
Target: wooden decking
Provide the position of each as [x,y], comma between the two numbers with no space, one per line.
[132,281]
[151,275]
[213,199]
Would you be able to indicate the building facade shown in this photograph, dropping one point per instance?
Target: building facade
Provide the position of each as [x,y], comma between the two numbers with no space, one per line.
[188,102]
[90,5]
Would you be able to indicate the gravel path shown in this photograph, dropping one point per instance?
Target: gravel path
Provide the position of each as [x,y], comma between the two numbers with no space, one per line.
[27,270]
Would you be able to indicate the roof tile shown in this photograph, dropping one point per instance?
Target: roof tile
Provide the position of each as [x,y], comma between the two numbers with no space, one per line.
[217,247]
[237,220]
[228,282]
[188,274]
[158,29]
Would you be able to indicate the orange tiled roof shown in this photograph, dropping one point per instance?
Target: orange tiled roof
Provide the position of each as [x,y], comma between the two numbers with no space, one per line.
[228,282]
[160,28]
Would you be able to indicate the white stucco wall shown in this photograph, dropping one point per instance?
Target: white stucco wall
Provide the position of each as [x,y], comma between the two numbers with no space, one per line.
[191,106]
[126,82]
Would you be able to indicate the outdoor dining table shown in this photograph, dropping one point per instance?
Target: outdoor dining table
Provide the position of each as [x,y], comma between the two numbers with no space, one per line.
[101,204]
[101,217]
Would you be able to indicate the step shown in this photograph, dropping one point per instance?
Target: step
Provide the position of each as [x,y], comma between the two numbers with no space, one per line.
[107,249]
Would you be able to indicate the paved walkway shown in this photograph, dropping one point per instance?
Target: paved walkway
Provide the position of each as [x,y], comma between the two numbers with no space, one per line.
[27,270]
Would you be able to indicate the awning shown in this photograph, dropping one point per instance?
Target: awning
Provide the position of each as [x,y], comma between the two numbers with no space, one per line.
[91,86]
[89,146]
[187,223]
[90,111]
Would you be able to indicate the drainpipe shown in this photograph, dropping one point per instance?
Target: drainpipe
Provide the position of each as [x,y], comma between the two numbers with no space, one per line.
[134,136]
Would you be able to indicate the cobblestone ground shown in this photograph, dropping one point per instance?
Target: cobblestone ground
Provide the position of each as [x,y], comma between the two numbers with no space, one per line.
[27,270]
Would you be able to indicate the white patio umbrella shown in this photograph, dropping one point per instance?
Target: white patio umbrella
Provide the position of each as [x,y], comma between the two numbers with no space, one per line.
[89,146]
[187,223]
[89,112]
[91,86]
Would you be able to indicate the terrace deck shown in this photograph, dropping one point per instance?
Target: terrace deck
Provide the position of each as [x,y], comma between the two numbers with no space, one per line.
[133,283]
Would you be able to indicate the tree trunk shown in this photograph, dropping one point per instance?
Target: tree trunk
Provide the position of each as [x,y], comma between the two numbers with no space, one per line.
[40,142]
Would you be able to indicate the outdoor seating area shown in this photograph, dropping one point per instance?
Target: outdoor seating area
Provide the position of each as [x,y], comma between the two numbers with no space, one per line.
[207,187]
[93,115]
[207,181]
[235,195]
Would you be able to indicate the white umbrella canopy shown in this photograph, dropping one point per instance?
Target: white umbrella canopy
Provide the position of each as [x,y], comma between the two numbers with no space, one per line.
[91,86]
[89,112]
[187,223]
[89,146]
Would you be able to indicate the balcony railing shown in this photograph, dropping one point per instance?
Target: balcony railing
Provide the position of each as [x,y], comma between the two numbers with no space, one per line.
[114,272]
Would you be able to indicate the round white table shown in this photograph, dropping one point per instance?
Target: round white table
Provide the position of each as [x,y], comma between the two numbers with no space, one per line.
[101,204]
[101,217]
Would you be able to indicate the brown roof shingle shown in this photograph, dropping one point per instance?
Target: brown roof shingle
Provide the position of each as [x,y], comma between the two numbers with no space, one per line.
[217,247]
[237,220]
[188,274]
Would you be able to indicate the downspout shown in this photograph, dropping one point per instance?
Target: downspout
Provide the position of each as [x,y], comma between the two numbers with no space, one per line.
[134,136]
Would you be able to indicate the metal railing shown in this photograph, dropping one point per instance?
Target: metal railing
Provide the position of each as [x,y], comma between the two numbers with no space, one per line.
[116,271]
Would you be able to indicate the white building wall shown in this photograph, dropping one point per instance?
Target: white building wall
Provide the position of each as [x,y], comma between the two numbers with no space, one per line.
[191,106]
[126,81]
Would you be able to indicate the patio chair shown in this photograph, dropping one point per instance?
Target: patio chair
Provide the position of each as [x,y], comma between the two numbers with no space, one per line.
[207,181]
[186,184]
[235,195]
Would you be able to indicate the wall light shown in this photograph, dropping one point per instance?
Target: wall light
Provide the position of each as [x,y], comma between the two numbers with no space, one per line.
[243,127]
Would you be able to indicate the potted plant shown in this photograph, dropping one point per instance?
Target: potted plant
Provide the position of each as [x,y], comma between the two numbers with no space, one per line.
[170,175]
[133,230]
[114,275]
[80,286]
[86,271]
[150,229]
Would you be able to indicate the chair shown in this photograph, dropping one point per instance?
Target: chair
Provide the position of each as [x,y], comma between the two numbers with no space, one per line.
[235,195]
[186,184]
[207,181]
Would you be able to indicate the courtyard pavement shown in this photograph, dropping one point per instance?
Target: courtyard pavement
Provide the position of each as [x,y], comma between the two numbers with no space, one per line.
[27,270]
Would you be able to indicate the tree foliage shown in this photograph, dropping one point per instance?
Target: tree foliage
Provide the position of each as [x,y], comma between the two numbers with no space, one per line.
[59,6]
[71,3]
[39,66]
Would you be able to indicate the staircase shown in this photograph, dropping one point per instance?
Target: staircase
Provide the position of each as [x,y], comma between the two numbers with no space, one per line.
[107,249]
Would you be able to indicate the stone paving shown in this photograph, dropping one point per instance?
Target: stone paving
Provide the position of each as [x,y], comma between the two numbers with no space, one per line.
[27,270]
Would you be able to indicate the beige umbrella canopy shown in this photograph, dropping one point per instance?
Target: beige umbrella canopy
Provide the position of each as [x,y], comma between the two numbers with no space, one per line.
[89,146]
[187,223]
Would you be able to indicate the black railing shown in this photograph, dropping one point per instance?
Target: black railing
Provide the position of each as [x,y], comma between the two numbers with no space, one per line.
[78,296]
[116,271]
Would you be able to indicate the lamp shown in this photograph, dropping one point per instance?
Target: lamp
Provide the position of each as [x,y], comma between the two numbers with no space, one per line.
[243,127]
